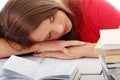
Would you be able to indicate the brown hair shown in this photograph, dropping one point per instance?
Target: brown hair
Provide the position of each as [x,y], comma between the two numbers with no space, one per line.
[20,17]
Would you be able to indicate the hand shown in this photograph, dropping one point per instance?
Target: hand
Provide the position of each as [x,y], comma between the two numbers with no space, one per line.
[77,51]
[57,45]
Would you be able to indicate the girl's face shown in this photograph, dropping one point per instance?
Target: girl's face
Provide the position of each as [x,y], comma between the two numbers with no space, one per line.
[52,28]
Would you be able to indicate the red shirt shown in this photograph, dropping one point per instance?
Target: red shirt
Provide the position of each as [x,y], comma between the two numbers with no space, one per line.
[96,15]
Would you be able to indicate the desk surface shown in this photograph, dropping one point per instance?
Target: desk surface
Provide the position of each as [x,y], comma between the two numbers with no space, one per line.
[89,68]
[92,77]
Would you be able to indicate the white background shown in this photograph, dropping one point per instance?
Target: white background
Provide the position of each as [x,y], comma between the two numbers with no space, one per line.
[2,3]
[116,3]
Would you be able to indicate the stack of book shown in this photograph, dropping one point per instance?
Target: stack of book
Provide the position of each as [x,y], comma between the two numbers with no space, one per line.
[109,46]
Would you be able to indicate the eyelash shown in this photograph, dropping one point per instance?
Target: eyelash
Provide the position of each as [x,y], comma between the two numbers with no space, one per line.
[51,19]
[49,36]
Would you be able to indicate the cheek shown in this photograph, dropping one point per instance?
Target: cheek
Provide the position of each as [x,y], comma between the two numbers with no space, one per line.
[55,36]
[59,28]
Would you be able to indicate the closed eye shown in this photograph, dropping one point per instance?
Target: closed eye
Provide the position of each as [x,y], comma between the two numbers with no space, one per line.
[51,19]
[48,36]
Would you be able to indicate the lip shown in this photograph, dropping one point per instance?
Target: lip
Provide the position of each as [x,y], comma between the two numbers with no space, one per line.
[66,29]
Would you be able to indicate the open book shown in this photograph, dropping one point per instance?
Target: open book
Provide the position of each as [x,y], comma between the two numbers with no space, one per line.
[17,68]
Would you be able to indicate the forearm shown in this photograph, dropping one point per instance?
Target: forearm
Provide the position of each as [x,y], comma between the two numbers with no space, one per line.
[84,51]
[6,50]
[89,50]
[46,46]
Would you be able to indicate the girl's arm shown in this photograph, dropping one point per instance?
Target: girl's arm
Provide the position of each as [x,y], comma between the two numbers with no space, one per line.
[6,50]
[78,52]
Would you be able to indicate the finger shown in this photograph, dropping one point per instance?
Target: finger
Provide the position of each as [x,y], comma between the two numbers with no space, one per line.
[74,43]
[66,51]
[58,55]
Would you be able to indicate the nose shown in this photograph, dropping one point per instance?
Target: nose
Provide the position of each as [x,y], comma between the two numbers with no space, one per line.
[59,28]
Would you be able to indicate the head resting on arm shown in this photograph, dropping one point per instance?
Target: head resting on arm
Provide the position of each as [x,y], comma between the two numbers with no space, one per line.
[21,17]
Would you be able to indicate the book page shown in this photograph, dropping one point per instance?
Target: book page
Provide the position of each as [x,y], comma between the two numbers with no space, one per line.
[2,61]
[57,71]
[22,66]
[29,57]
[11,75]
[17,67]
